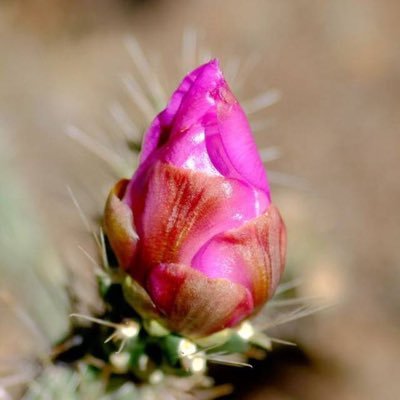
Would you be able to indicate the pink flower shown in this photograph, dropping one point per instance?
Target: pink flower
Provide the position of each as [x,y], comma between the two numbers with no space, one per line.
[195,227]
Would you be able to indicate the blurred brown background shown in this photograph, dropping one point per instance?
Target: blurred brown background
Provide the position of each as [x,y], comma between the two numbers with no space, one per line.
[337,64]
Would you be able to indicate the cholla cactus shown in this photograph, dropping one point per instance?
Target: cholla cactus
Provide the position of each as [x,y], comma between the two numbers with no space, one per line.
[191,249]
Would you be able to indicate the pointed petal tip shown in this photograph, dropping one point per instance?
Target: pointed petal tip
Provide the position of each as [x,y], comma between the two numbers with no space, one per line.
[213,63]
[212,69]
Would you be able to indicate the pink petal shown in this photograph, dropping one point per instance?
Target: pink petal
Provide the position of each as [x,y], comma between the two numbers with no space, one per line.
[162,127]
[176,136]
[181,210]
[194,304]
[230,143]
[252,255]
[204,128]
[119,226]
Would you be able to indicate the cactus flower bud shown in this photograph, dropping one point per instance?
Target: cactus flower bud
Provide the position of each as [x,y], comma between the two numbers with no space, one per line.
[195,227]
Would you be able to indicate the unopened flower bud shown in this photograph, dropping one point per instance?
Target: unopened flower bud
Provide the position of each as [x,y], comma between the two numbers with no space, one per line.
[195,226]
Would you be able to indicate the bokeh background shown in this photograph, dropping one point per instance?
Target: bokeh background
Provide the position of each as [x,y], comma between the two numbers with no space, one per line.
[337,126]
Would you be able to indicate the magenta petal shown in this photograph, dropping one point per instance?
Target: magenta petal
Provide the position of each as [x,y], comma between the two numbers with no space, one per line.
[168,120]
[252,255]
[194,304]
[218,259]
[181,210]
[164,283]
[189,151]
[230,143]
[204,129]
